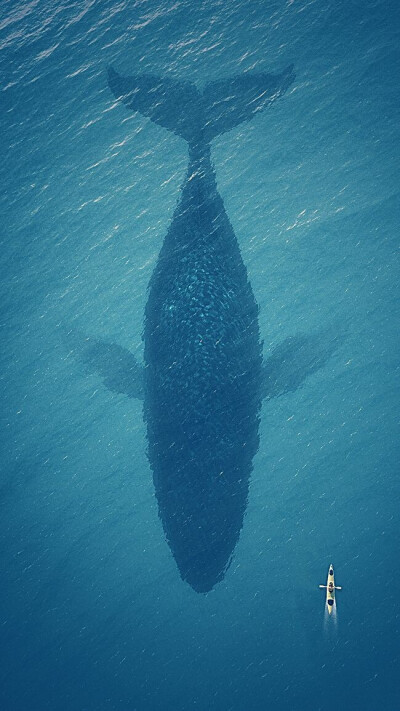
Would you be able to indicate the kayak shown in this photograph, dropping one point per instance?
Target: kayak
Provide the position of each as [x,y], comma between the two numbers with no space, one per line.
[330,589]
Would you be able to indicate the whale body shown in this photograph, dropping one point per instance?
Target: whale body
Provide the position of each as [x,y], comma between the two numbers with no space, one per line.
[202,350]
[202,380]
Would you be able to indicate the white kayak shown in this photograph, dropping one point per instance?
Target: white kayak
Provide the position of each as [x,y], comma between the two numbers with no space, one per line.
[330,589]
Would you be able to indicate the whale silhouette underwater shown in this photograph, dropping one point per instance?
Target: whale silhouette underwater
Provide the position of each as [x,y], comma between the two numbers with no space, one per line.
[203,378]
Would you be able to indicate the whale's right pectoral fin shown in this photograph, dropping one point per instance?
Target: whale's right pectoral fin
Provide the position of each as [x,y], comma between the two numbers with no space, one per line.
[119,369]
[293,360]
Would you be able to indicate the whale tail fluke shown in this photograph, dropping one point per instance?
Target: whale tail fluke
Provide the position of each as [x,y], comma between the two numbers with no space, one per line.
[170,104]
[181,108]
[229,102]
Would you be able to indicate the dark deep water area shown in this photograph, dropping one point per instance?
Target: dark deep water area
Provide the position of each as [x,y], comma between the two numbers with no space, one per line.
[199,329]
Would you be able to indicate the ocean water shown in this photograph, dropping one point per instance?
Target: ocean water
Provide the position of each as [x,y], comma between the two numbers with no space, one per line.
[93,613]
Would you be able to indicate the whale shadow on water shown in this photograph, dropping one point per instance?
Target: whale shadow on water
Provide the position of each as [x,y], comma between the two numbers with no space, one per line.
[204,378]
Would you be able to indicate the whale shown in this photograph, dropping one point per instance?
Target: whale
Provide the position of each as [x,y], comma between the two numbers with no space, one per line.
[204,377]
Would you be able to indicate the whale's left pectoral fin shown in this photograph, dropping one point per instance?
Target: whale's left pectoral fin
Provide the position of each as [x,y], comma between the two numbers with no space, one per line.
[119,369]
[294,360]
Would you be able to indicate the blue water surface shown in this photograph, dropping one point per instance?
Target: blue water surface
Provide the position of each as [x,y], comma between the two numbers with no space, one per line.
[93,613]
